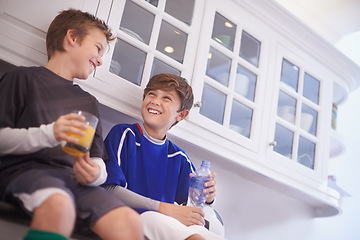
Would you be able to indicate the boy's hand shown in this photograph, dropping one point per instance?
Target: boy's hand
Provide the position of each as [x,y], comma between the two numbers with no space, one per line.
[210,189]
[65,124]
[86,171]
[186,215]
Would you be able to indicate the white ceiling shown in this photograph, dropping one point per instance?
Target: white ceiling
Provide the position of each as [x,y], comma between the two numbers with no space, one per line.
[332,19]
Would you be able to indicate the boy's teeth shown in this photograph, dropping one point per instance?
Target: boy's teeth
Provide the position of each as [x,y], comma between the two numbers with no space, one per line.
[154,111]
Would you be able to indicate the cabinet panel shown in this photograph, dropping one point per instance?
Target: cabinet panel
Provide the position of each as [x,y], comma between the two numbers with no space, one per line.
[230,72]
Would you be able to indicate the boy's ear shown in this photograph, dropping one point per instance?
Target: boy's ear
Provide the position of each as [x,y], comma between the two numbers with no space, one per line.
[70,38]
[182,115]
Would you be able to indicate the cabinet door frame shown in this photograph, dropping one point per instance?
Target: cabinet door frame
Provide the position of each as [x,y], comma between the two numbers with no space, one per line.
[289,167]
[240,17]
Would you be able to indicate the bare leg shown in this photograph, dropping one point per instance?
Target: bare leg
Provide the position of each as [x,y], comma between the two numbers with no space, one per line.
[56,214]
[119,223]
[195,237]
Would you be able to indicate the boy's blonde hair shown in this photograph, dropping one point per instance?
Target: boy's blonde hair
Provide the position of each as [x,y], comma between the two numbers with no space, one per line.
[168,82]
[80,22]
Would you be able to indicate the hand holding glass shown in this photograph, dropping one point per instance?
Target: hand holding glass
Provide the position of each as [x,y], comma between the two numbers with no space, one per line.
[84,143]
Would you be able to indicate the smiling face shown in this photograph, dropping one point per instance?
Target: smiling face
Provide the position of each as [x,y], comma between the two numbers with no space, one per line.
[87,54]
[160,110]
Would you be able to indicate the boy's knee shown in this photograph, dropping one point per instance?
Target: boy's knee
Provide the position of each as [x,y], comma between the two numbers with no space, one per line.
[58,203]
[131,215]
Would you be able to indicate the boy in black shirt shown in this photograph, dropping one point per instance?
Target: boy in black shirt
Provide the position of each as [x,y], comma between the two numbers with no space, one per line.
[35,109]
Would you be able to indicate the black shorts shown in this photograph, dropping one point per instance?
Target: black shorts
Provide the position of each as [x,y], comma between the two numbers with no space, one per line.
[34,186]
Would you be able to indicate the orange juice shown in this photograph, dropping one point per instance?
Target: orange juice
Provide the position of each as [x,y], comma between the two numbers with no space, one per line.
[83,145]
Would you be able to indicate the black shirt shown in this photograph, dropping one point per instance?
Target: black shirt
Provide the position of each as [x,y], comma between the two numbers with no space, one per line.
[31,96]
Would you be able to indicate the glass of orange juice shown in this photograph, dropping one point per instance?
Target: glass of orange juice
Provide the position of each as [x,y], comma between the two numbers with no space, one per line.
[84,143]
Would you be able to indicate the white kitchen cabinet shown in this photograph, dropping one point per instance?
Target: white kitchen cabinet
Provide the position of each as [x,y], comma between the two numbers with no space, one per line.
[264,84]
[152,37]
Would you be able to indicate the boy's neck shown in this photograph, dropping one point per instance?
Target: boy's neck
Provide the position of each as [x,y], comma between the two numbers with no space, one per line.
[59,68]
[153,133]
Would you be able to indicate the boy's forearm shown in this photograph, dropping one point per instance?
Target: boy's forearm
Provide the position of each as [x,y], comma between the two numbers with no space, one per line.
[24,141]
[132,199]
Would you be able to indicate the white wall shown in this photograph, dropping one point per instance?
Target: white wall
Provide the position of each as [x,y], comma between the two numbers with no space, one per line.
[347,170]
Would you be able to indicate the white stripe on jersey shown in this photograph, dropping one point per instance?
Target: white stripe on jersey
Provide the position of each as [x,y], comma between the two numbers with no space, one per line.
[122,143]
[187,159]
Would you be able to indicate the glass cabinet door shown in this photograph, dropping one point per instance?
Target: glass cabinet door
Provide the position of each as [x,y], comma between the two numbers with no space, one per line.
[231,72]
[297,114]
[152,38]
[230,84]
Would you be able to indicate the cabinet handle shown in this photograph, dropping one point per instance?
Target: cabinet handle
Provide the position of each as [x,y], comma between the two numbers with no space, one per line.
[198,104]
[273,143]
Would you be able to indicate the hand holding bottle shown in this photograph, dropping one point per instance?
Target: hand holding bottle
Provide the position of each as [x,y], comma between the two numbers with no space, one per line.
[202,188]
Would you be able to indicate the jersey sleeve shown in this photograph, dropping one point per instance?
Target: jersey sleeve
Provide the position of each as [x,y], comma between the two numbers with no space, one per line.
[182,190]
[113,162]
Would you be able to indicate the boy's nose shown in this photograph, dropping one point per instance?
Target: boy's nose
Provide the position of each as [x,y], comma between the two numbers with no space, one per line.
[155,102]
[98,61]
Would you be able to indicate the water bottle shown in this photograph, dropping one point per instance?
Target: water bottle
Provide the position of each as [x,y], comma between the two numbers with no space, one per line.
[197,197]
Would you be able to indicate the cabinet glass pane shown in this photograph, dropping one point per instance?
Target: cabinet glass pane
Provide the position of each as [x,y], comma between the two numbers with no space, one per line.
[284,141]
[218,67]
[161,67]
[241,117]
[290,74]
[153,2]
[127,62]
[137,22]
[224,31]
[286,107]
[172,42]
[180,9]
[245,83]
[250,48]
[306,152]
[311,88]
[308,119]
[213,104]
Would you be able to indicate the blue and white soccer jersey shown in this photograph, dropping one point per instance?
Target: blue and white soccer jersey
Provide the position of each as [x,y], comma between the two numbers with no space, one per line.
[154,168]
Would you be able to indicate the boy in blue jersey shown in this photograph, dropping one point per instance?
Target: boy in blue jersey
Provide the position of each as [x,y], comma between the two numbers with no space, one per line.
[155,170]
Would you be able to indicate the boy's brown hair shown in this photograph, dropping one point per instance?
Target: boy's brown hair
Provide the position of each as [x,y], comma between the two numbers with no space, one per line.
[80,22]
[168,82]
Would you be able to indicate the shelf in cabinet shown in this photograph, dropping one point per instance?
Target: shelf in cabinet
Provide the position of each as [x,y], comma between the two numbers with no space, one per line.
[337,146]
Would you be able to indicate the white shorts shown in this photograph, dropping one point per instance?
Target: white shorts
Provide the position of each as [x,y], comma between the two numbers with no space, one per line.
[158,226]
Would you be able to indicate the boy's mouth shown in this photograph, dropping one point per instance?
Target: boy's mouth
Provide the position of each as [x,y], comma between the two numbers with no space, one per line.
[93,66]
[153,111]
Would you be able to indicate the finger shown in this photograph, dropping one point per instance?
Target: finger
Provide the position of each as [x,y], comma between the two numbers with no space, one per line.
[74,116]
[212,175]
[209,190]
[85,162]
[198,211]
[210,183]
[210,196]
[198,219]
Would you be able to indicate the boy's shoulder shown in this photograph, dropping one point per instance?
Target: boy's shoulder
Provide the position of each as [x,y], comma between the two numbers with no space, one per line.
[19,74]
[124,128]
[21,70]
